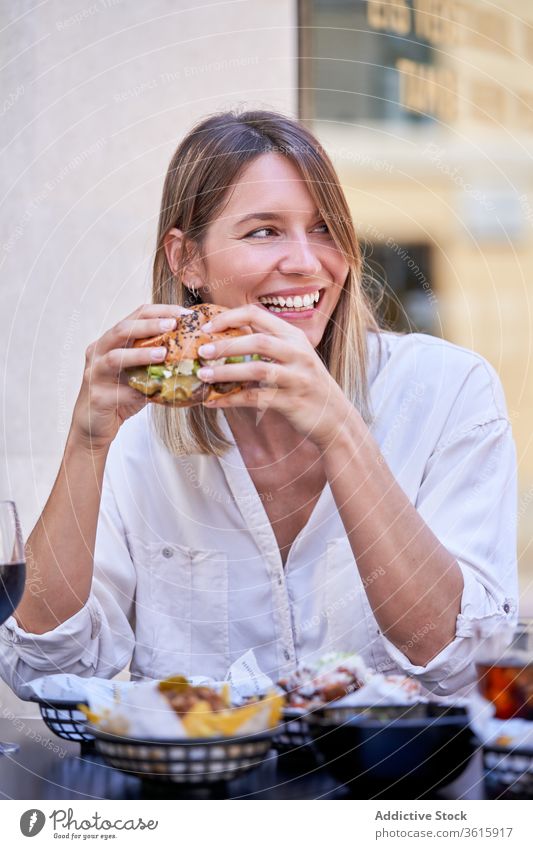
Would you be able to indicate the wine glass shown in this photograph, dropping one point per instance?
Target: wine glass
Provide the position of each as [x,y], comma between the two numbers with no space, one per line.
[12,572]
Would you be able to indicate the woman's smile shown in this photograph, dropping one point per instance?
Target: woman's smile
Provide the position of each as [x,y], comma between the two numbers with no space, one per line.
[275,249]
[293,304]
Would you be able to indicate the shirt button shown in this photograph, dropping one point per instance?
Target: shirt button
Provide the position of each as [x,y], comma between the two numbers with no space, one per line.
[280,579]
[506,607]
[287,654]
[167,552]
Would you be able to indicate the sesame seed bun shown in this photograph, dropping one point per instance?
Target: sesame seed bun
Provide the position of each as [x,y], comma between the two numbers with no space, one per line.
[182,344]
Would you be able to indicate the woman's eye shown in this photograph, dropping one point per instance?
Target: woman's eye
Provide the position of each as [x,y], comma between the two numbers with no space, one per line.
[266,232]
[260,233]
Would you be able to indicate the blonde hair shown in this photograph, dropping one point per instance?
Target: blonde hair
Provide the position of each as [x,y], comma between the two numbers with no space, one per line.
[204,167]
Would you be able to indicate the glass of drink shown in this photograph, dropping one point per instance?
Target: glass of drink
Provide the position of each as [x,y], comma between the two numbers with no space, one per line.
[12,572]
[506,678]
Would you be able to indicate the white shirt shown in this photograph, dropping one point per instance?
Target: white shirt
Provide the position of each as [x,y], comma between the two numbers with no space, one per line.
[188,573]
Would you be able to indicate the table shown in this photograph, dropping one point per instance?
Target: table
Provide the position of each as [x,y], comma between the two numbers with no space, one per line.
[47,767]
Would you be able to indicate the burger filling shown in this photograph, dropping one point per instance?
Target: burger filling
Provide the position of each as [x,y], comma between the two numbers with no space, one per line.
[178,381]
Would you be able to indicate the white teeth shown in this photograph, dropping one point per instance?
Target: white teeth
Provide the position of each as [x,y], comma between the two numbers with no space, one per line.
[286,309]
[296,302]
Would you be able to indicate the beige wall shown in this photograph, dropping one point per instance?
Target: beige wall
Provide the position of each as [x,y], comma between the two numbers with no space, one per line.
[95,98]
[102,102]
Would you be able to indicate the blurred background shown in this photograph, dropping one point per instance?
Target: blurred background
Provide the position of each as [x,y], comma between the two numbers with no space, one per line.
[426,108]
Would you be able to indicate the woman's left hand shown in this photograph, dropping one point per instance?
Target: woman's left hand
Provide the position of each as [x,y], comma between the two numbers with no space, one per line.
[296,383]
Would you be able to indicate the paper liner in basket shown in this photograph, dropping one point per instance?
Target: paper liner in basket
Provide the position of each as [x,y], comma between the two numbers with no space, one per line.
[146,713]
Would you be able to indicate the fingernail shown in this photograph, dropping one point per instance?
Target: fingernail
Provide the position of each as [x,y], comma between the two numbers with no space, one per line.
[184,310]
[167,324]
[207,326]
[205,373]
[206,350]
[157,353]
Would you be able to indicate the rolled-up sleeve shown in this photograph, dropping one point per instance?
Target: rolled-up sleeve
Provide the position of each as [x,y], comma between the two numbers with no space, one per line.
[99,638]
[469,499]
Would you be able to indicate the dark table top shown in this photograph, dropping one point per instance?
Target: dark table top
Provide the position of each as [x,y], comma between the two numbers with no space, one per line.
[47,767]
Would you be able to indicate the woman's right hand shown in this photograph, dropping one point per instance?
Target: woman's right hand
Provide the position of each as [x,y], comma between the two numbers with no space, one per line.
[105,400]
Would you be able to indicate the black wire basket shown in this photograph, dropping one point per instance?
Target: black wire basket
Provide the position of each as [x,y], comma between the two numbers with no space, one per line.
[508,772]
[189,761]
[332,714]
[293,732]
[293,740]
[66,721]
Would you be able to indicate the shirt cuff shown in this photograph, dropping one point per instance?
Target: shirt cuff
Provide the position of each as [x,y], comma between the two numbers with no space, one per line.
[481,619]
[74,640]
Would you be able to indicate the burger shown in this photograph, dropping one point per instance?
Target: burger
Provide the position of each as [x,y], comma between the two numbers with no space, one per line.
[174,382]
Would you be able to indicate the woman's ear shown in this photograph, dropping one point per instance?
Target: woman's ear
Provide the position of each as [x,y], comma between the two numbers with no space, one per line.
[173,245]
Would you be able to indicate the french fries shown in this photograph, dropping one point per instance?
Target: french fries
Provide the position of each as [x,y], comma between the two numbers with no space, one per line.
[207,713]
[190,711]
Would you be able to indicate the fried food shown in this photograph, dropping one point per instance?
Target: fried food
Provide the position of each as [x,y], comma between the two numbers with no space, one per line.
[205,712]
[333,677]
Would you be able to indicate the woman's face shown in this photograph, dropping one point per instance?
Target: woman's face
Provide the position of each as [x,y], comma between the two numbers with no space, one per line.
[271,243]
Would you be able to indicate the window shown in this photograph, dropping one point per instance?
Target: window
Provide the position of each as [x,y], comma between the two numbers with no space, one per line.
[349,77]
[348,69]
[400,275]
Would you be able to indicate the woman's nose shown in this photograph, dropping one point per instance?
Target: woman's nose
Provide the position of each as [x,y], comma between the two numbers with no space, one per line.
[299,258]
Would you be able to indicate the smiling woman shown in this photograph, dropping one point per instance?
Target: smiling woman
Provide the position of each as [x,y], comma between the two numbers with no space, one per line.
[356,492]
[250,204]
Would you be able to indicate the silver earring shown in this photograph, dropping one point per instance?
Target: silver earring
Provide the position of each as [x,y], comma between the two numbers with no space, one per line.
[193,291]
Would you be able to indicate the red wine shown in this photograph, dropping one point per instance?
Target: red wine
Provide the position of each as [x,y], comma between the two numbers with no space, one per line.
[12,580]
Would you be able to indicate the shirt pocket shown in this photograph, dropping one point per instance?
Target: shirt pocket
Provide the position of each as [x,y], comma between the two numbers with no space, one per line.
[352,626]
[182,610]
